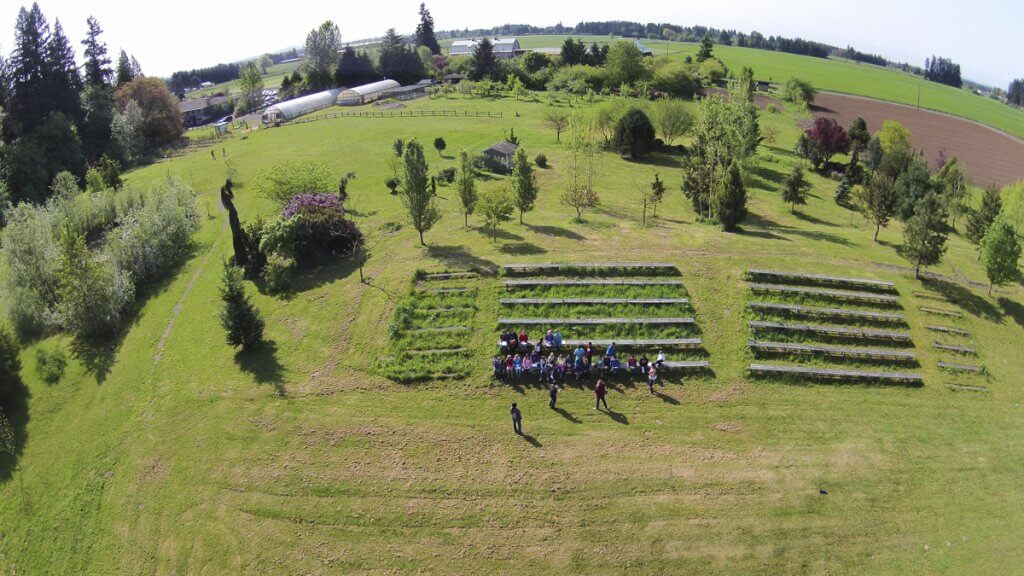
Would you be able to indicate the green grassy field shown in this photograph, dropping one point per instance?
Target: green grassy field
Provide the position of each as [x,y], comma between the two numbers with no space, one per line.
[173,454]
[838,76]
[272,79]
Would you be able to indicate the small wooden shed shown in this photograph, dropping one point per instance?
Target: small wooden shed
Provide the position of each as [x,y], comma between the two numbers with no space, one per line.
[498,158]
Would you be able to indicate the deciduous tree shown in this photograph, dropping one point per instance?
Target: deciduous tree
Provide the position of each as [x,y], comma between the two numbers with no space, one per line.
[495,205]
[415,190]
[924,235]
[524,183]
[1000,254]
[465,184]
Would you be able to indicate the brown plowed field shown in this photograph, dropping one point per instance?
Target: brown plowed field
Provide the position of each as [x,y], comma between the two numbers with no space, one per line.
[991,156]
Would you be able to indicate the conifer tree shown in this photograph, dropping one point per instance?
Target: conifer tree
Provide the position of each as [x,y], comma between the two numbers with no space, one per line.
[97,63]
[124,70]
[425,31]
[729,203]
[924,235]
[63,82]
[240,318]
[28,103]
[979,222]
[795,189]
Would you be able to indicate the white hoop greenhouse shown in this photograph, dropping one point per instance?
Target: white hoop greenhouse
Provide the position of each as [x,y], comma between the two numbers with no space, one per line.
[296,107]
[366,93]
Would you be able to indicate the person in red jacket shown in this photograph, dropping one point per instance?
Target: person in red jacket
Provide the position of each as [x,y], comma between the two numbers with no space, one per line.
[600,390]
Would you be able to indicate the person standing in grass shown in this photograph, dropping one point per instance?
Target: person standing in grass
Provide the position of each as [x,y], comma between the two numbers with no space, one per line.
[517,419]
[553,392]
[600,390]
[652,377]
[610,351]
[590,355]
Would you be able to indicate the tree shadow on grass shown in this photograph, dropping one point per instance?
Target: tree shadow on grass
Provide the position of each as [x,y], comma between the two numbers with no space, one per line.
[659,159]
[769,176]
[812,219]
[964,298]
[262,364]
[765,228]
[521,249]
[556,231]
[499,234]
[97,357]
[1013,309]
[316,274]
[460,257]
[15,408]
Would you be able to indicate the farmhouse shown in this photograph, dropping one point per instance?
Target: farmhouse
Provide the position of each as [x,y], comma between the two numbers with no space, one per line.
[283,111]
[504,48]
[498,158]
[366,93]
[201,110]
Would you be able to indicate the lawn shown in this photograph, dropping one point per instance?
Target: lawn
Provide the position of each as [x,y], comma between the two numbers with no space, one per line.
[173,454]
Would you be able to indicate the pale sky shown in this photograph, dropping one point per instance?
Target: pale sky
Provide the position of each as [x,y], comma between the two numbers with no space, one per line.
[981,35]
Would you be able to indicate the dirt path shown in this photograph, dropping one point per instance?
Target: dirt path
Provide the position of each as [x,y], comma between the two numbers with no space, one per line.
[188,288]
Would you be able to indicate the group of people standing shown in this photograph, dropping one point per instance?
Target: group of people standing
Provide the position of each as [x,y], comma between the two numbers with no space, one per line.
[523,360]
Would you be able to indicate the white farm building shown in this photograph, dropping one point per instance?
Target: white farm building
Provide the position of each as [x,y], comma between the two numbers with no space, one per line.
[503,47]
[289,109]
[366,93]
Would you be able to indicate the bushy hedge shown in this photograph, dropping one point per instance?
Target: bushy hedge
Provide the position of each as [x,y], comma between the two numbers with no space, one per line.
[56,280]
[312,226]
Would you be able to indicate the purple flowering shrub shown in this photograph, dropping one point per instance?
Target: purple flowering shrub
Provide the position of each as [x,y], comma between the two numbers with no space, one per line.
[314,226]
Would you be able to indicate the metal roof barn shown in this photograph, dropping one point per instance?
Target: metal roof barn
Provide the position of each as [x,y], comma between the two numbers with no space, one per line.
[503,47]
[296,107]
[366,93]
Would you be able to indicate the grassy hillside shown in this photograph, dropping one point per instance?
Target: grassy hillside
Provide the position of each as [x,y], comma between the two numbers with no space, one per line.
[272,79]
[173,454]
[838,76]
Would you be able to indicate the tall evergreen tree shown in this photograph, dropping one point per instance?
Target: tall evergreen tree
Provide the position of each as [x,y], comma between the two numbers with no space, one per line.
[63,82]
[979,222]
[397,60]
[484,65]
[28,104]
[124,73]
[136,68]
[729,203]
[924,235]
[97,63]
[354,68]
[98,99]
[425,31]
[241,319]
